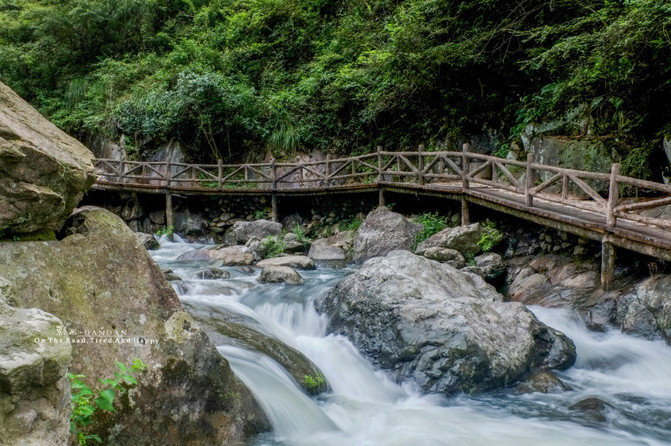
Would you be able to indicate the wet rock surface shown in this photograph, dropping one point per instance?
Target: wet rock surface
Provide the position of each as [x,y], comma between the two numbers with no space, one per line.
[447,330]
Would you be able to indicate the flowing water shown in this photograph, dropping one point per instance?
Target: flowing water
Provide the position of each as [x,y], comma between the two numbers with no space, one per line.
[631,376]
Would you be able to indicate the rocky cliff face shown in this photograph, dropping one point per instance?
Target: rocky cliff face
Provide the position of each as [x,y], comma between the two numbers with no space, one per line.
[117,306]
[43,171]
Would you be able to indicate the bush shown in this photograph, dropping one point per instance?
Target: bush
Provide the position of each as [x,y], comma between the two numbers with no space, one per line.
[491,236]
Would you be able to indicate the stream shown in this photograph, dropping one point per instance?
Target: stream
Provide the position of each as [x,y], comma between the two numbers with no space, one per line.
[364,407]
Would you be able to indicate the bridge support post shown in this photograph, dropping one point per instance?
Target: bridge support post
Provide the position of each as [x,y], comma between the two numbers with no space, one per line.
[607,264]
[381,199]
[274,214]
[420,164]
[465,217]
[169,216]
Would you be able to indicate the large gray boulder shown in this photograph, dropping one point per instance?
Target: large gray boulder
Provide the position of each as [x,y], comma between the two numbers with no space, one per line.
[646,309]
[228,255]
[447,330]
[103,284]
[462,238]
[382,232]
[34,389]
[43,171]
[242,231]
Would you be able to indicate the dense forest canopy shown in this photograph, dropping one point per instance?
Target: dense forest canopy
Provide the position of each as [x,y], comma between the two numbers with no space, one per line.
[234,77]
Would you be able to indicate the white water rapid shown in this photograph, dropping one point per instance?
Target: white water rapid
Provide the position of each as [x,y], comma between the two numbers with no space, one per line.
[631,376]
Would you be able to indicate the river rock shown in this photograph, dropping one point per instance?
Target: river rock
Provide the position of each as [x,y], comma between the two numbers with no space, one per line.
[551,280]
[34,389]
[452,256]
[593,408]
[299,262]
[170,275]
[490,266]
[322,251]
[103,284]
[189,223]
[447,330]
[646,309]
[226,329]
[543,382]
[462,238]
[382,232]
[280,274]
[228,255]
[242,231]
[43,171]
[210,273]
[148,241]
[343,240]
[291,244]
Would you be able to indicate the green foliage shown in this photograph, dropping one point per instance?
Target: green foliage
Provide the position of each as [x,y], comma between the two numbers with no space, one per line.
[169,231]
[314,383]
[350,225]
[303,239]
[238,77]
[491,236]
[274,246]
[431,224]
[85,402]
[260,214]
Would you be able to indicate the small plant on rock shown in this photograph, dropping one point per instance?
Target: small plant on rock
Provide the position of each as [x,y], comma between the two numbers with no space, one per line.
[491,236]
[168,230]
[302,238]
[432,223]
[85,402]
[274,246]
[313,383]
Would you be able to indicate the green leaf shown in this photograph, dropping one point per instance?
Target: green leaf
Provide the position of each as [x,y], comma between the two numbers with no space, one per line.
[104,404]
[121,366]
[108,394]
[129,379]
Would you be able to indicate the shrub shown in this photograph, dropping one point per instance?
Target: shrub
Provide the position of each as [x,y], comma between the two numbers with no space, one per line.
[274,246]
[431,224]
[491,236]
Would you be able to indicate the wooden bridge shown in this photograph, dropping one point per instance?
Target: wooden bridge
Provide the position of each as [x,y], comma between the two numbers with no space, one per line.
[613,209]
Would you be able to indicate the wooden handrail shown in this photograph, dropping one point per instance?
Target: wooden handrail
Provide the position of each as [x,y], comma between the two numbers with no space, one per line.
[422,168]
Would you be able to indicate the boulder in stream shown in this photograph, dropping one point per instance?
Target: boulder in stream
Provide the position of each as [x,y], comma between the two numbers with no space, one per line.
[382,232]
[294,261]
[228,255]
[242,231]
[280,274]
[447,330]
[105,288]
[226,329]
[462,238]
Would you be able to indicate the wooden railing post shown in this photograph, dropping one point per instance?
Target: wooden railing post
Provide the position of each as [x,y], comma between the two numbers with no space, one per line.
[613,196]
[380,199]
[168,173]
[220,173]
[122,167]
[465,165]
[607,263]
[528,184]
[327,170]
[420,164]
[273,199]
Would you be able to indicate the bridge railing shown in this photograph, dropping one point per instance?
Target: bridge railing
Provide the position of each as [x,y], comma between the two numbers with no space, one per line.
[606,194]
